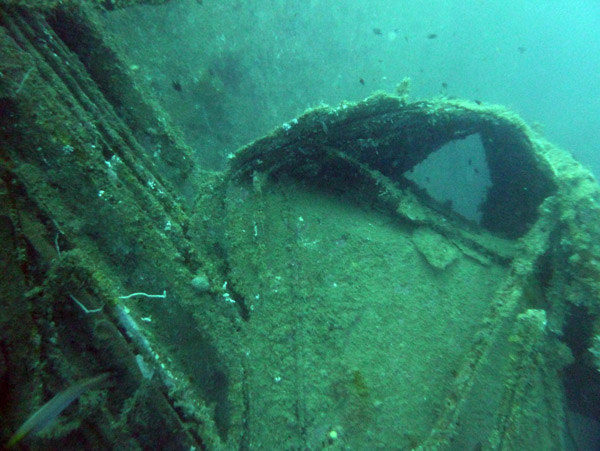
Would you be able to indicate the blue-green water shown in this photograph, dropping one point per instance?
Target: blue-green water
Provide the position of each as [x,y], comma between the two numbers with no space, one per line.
[275,58]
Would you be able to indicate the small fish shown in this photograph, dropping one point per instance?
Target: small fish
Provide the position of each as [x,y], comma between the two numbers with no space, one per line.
[377,31]
[362,81]
[431,36]
[176,85]
[521,50]
[53,408]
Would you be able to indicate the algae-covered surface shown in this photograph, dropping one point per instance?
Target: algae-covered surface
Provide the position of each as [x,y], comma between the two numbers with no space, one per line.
[350,329]
[309,295]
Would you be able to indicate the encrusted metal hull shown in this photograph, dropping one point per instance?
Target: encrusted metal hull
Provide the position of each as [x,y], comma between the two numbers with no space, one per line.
[308,297]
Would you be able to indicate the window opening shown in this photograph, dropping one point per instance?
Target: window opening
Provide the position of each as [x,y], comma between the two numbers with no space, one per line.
[456,174]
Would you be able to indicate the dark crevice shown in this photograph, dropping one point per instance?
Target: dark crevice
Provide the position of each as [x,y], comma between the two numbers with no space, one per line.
[581,379]
[518,184]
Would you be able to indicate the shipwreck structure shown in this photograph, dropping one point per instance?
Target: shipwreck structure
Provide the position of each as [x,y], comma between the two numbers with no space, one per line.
[308,297]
